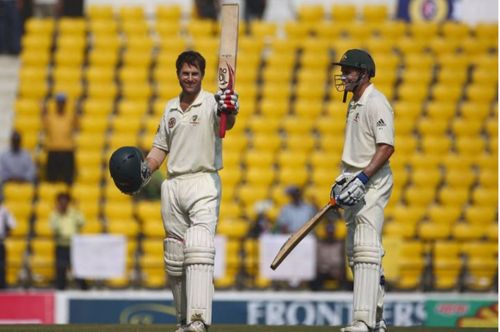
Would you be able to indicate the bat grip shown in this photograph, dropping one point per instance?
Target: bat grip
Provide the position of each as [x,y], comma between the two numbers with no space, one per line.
[222,127]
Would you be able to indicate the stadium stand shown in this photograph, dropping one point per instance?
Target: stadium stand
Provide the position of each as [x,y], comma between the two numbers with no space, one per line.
[118,64]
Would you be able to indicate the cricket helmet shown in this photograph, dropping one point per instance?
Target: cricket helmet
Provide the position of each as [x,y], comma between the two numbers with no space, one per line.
[125,169]
[357,58]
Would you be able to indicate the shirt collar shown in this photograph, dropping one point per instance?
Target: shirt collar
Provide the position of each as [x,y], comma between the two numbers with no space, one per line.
[366,93]
[197,102]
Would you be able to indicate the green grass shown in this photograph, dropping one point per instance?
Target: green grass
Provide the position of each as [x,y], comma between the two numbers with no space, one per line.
[218,328]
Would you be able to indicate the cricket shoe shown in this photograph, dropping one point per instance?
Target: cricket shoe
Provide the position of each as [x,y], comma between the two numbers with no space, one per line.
[196,326]
[380,326]
[357,326]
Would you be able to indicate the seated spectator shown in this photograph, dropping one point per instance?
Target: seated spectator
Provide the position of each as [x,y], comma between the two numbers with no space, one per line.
[16,163]
[262,223]
[294,214]
[330,256]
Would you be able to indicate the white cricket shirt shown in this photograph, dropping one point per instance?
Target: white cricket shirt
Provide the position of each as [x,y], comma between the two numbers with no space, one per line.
[370,121]
[191,137]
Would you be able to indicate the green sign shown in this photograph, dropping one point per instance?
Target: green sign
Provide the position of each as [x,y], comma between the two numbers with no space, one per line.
[462,313]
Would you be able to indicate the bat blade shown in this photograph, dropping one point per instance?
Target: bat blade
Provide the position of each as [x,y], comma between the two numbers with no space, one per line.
[300,234]
[228,50]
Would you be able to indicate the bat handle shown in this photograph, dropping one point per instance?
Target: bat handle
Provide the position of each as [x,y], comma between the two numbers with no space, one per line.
[222,127]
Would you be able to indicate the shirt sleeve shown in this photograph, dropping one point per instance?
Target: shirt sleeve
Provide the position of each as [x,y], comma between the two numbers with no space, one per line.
[30,168]
[383,122]
[161,138]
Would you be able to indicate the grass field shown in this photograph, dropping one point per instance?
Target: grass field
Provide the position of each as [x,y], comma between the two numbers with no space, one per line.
[219,328]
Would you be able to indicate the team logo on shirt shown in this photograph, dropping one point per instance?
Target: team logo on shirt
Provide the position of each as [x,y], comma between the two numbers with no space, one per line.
[356,117]
[171,123]
[194,119]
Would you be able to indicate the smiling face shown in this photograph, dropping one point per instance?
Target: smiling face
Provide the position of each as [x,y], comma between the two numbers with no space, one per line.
[190,78]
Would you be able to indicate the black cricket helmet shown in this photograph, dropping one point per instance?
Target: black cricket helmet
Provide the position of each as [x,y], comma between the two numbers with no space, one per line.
[357,58]
[125,169]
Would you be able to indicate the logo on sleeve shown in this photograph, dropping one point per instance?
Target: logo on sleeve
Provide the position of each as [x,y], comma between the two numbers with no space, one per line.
[381,123]
[171,123]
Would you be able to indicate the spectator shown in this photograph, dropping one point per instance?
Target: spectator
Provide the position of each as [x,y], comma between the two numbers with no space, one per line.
[16,163]
[60,145]
[294,214]
[254,9]
[10,26]
[69,8]
[330,256]
[7,222]
[262,223]
[208,9]
[66,221]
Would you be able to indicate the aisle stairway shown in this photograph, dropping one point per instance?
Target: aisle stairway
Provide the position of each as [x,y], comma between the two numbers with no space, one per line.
[8,88]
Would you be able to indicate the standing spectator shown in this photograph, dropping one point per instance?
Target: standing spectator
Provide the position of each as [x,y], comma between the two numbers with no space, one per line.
[59,128]
[66,221]
[10,26]
[207,9]
[254,9]
[294,214]
[7,222]
[69,8]
[16,163]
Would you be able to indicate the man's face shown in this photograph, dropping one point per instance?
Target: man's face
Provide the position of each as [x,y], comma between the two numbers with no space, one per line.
[350,77]
[190,79]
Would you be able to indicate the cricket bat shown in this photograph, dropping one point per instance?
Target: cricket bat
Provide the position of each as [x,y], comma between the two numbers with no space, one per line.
[228,49]
[301,233]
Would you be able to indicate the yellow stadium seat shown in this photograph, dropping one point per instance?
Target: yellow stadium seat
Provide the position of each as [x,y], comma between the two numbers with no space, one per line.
[410,46]
[454,178]
[410,93]
[298,176]
[457,162]
[263,125]
[259,158]
[343,13]
[93,125]
[482,215]
[440,45]
[233,228]
[455,76]
[248,195]
[320,159]
[485,196]
[480,92]
[418,196]
[126,227]
[481,265]
[102,91]
[295,125]
[444,214]
[446,92]
[375,13]
[236,143]
[447,265]
[429,231]
[423,178]
[466,127]
[296,29]
[201,27]
[15,192]
[441,110]
[263,176]
[455,30]
[310,13]
[332,144]
[263,29]
[400,230]
[411,268]
[423,30]
[270,108]
[488,179]
[300,143]
[467,232]
[475,110]
[288,158]
[89,175]
[434,127]
[435,144]
[453,196]
[469,145]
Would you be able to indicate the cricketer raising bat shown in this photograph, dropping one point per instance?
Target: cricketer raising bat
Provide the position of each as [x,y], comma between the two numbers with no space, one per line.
[228,49]
[296,237]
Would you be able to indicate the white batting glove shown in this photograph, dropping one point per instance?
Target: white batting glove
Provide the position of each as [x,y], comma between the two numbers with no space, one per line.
[354,191]
[227,102]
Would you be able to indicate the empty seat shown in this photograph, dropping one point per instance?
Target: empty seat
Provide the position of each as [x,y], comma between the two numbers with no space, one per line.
[446,265]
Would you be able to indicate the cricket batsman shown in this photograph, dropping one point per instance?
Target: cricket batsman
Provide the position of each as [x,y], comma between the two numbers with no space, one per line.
[364,187]
[191,194]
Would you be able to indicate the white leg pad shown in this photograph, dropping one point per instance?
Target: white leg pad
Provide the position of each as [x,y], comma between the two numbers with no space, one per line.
[367,258]
[200,257]
[174,265]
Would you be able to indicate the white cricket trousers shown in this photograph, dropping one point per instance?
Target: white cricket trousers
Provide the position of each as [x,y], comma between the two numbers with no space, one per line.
[190,199]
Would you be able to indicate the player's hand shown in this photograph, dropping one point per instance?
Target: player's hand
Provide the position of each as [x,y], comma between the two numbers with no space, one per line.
[354,191]
[227,102]
[145,174]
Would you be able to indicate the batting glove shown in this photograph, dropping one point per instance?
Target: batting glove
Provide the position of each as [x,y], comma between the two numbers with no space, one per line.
[227,102]
[353,191]
[145,175]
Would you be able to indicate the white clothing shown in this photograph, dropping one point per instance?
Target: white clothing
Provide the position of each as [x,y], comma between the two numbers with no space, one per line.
[370,121]
[191,137]
[7,221]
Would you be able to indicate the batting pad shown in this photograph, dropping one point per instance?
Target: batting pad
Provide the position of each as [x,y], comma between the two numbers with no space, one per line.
[200,256]
[367,261]
[174,264]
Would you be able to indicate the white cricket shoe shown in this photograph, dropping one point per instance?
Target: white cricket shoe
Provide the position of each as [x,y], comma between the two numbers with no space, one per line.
[196,326]
[357,326]
[181,328]
[380,326]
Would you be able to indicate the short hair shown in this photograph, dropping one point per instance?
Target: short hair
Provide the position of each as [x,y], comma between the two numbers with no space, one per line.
[63,195]
[192,58]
